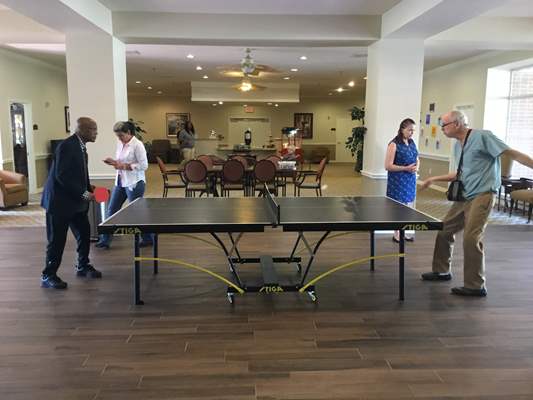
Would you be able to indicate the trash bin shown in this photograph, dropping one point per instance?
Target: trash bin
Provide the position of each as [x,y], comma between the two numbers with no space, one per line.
[96,216]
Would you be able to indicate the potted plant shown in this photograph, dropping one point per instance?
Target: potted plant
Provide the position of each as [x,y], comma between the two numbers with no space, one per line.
[355,142]
[139,131]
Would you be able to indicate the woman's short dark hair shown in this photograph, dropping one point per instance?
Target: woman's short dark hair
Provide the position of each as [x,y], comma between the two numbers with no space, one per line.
[398,139]
[124,127]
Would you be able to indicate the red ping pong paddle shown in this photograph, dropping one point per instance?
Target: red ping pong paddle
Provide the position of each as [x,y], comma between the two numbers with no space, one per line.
[101,194]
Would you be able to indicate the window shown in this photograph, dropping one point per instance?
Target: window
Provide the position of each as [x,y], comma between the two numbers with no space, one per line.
[519,133]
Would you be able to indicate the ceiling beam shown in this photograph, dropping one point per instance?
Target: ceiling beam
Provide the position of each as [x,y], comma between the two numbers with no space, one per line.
[65,15]
[491,33]
[421,19]
[239,29]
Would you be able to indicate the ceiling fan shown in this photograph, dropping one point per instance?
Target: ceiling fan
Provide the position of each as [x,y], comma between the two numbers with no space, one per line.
[247,68]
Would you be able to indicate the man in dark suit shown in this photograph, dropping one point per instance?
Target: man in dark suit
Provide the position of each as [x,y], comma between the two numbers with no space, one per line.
[66,198]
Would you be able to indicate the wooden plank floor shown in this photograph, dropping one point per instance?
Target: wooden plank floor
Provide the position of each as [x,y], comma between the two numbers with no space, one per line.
[187,342]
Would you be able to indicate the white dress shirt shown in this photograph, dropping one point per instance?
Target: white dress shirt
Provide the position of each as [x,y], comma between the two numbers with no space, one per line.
[134,154]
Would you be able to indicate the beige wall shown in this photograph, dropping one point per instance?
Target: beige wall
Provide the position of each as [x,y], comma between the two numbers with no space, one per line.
[44,86]
[432,167]
[151,110]
[456,84]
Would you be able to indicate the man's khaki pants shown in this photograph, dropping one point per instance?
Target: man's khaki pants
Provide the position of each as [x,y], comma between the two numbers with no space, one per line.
[471,216]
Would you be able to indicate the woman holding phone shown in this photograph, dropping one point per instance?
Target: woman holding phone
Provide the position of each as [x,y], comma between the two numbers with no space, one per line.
[130,162]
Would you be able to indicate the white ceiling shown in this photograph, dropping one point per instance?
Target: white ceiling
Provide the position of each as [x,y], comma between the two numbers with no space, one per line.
[166,68]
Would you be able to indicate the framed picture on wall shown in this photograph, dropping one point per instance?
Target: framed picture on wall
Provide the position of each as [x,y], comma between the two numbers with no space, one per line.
[67,119]
[175,123]
[304,122]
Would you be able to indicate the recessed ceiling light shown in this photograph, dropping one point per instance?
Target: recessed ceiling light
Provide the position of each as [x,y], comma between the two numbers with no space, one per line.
[351,83]
[220,102]
[198,68]
[340,90]
[159,92]
[245,105]
[275,105]
[269,104]
[303,58]
[294,69]
[137,82]
[365,78]
[190,56]
[205,77]
[286,78]
[329,94]
[149,88]
[214,104]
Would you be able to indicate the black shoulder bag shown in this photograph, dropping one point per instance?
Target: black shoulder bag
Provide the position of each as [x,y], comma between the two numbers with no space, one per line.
[456,188]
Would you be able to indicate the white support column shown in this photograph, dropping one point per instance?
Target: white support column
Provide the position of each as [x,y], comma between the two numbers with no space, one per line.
[96,75]
[393,92]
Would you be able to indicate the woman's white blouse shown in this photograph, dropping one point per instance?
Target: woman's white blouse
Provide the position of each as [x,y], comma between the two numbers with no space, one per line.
[132,153]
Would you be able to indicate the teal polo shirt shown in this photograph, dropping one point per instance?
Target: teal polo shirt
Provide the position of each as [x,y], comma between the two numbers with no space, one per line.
[481,162]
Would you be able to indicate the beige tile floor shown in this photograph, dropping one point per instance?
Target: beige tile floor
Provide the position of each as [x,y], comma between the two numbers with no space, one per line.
[338,180]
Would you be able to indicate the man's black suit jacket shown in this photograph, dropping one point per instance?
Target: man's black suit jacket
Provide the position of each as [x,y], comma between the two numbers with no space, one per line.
[67,180]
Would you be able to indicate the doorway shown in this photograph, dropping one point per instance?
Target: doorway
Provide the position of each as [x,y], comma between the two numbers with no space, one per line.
[343,130]
[22,143]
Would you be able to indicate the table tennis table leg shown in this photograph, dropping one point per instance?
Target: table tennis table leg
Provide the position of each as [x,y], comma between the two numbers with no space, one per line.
[229,256]
[137,271]
[291,257]
[312,254]
[401,262]
[372,250]
[156,253]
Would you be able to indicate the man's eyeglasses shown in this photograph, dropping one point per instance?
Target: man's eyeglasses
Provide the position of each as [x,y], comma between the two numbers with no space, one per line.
[447,123]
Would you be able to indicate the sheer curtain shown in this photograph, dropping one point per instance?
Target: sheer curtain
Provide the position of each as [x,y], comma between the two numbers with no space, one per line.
[520,117]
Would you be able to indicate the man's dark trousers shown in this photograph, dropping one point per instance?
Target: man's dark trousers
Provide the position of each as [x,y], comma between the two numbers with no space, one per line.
[57,226]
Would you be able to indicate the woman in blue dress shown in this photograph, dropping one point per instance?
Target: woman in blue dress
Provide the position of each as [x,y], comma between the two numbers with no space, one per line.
[401,162]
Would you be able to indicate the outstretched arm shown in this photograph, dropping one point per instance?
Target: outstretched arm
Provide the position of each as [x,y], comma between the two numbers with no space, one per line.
[440,178]
[522,158]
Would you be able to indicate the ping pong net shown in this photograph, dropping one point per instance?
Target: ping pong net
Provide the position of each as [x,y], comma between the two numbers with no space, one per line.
[272,206]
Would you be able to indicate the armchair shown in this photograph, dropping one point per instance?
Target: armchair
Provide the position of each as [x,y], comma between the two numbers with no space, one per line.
[300,181]
[160,148]
[13,189]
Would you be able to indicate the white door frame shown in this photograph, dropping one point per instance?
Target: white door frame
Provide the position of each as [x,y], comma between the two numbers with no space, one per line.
[30,154]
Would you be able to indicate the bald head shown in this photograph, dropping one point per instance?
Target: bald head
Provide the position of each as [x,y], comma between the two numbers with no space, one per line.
[86,129]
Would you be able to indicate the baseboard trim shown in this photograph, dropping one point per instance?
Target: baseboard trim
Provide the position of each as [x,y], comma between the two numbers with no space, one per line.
[373,175]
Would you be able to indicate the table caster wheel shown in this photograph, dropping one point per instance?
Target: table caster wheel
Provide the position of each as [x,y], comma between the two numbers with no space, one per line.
[231,298]
[312,295]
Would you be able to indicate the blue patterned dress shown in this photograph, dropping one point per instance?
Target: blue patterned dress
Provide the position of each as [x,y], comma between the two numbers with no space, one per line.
[401,185]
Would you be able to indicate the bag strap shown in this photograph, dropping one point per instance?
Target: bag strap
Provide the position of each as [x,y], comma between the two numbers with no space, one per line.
[461,158]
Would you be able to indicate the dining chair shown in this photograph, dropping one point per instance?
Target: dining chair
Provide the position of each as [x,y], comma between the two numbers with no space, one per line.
[165,173]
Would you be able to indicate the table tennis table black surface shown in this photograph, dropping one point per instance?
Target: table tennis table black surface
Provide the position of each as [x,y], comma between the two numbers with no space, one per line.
[236,216]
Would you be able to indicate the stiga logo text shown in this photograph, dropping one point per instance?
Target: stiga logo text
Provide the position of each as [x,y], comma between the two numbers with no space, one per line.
[271,289]
[127,231]
[416,227]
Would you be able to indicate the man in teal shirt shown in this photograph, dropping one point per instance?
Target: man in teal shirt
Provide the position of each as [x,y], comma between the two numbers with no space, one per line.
[481,179]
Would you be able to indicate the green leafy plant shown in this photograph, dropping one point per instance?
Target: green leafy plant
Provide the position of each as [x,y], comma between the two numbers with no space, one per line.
[139,131]
[355,142]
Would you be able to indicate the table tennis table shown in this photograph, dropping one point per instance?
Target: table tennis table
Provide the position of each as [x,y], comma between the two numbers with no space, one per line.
[239,215]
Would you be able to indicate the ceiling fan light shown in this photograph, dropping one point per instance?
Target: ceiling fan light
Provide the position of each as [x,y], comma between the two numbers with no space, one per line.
[245,86]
